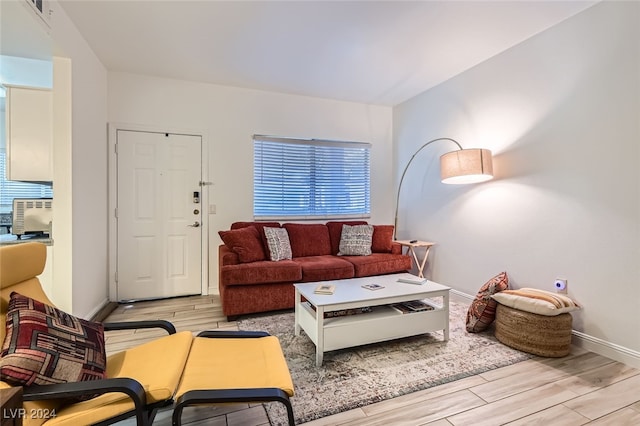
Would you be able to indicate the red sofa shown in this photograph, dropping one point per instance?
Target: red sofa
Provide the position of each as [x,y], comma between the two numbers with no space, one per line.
[250,282]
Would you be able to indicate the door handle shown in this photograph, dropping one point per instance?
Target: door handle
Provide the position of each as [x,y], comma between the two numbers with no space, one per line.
[195,224]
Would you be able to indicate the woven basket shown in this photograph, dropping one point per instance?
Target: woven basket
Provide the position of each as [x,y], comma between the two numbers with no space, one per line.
[548,336]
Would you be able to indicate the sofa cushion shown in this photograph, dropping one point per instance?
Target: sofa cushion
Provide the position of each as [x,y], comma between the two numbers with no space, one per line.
[482,310]
[308,239]
[45,345]
[378,264]
[264,272]
[246,242]
[278,243]
[335,232]
[382,240]
[247,299]
[323,268]
[356,240]
[260,227]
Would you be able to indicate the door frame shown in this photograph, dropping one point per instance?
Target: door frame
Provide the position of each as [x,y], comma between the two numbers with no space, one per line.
[112,130]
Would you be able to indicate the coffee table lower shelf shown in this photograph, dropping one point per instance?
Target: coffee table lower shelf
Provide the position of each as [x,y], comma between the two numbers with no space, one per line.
[381,324]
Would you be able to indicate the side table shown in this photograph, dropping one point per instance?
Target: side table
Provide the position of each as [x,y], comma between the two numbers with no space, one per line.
[412,245]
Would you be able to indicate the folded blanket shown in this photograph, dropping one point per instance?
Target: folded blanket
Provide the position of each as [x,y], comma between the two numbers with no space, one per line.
[558,300]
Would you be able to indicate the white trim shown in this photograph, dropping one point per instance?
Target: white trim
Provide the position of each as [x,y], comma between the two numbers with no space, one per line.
[608,349]
[458,296]
[582,340]
[97,309]
[112,129]
[313,142]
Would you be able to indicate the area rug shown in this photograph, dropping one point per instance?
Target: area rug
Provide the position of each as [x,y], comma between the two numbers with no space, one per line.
[355,377]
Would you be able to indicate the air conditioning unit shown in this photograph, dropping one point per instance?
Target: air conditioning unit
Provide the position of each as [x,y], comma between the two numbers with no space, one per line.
[42,11]
[32,216]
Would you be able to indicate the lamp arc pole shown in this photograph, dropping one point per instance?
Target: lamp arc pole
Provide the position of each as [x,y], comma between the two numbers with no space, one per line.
[404,172]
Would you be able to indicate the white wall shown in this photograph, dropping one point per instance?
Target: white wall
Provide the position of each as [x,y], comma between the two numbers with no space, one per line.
[86,236]
[228,117]
[561,111]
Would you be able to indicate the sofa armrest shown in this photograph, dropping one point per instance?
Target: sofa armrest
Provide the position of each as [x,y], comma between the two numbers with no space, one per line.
[396,248]
[226,256]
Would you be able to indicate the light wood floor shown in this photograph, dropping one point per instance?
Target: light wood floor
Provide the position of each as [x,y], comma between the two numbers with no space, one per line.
[582,388]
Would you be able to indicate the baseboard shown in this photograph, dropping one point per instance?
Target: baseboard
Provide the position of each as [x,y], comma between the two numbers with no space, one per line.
[102,312]
[608,349]
[582,340]
[461,297]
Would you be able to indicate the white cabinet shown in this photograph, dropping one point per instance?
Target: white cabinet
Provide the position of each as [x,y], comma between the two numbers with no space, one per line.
[29,126]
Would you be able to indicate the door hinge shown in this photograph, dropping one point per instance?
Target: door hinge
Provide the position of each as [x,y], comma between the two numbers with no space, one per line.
[115,212]
[116,276]
[115,148]
[203,183]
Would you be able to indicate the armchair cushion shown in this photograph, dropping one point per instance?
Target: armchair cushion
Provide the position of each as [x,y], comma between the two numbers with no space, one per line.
[44,345]
[157,365]
[237,364]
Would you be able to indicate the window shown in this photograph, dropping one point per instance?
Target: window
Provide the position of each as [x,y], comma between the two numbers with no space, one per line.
[10,189]
[310,178]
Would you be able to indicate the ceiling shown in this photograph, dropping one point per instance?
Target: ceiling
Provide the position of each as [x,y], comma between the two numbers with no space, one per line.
[377,52]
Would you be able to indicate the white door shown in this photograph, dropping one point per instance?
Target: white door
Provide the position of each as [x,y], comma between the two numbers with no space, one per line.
[158,215]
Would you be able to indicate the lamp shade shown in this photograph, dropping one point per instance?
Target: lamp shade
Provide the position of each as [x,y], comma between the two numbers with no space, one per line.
[466,166]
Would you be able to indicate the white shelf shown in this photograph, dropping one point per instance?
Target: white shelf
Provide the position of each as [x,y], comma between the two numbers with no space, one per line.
[381,324]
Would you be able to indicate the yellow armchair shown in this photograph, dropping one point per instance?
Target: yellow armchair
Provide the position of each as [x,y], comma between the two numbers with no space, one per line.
[214,367]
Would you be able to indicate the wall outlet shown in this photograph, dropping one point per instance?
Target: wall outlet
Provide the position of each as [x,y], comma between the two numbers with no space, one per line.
[212,209]
[560,285]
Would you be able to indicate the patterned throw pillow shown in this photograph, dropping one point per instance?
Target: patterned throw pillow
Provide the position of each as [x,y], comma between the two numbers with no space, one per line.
[45,345]
[482,311]
[278,242]
[356,240]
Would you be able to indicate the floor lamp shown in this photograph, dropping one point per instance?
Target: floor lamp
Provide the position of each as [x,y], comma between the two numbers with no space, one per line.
[456,167]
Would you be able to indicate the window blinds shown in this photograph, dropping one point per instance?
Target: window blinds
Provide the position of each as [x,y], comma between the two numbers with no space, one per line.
[310,179]
[10,189]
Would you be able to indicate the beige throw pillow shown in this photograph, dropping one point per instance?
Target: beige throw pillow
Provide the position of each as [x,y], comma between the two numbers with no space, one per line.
[356,240]
[278,242]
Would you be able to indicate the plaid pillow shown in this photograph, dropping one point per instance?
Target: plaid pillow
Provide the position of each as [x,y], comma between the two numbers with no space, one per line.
[45,345]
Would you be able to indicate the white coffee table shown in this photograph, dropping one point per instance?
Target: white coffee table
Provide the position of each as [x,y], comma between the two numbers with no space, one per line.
[382,323]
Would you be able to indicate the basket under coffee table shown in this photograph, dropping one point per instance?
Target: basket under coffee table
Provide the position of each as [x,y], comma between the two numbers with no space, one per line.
[382,322]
